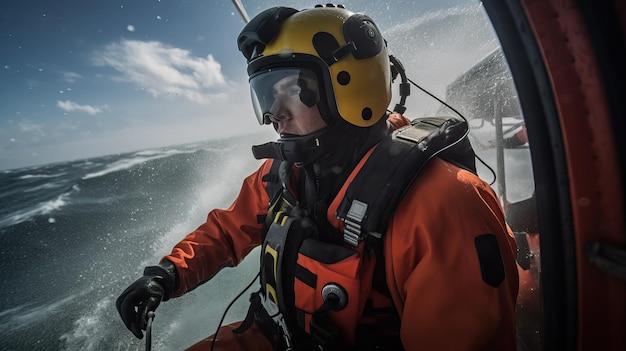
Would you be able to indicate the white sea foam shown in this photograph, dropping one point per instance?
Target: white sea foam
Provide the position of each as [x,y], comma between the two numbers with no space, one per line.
[434,54]
[87,333]
[45,186]
[25,315]
[136,159]
[42,208]
[148,153]
[218,191]
[31,176]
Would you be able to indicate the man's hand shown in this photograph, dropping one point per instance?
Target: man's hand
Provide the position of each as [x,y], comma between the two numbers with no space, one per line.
[145,295]
[141,297]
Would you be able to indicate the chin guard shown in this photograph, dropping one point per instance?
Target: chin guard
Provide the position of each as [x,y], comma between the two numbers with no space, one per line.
[296,149]
[283,151]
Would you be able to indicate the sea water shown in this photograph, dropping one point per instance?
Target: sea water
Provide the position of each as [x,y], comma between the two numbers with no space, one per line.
[73,235]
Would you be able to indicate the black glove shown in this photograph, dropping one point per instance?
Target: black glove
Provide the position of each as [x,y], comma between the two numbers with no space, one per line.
[145,294]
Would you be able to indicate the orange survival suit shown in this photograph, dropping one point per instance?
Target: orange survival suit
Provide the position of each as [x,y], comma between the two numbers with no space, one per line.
[439,284]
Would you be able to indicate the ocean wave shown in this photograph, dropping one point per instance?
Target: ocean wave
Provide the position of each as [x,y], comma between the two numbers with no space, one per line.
[137,159]
[40,209]
[87,333]
[46,186]
[31,176]
[152,152]
[25,315]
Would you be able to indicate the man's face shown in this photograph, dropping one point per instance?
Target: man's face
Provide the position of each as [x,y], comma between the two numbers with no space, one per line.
[288,113]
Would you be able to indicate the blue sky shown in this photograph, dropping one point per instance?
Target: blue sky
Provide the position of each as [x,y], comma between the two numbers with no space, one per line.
[87,78]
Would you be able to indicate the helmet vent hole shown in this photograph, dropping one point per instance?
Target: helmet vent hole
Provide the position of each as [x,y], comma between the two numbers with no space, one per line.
[366,113]
[343,78]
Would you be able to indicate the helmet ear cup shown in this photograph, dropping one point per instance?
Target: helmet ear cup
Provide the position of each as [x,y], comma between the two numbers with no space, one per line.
[367,39]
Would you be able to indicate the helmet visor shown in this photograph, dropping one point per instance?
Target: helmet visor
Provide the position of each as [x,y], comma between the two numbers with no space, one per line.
[275,88]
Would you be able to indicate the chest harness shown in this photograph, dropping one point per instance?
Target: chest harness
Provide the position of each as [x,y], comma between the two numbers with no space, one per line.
[314,292]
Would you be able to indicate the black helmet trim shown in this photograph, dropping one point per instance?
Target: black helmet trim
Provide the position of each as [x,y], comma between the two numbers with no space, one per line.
[261,30]
[285,61]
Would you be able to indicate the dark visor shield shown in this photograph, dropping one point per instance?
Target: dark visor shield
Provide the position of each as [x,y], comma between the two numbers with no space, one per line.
[284,86]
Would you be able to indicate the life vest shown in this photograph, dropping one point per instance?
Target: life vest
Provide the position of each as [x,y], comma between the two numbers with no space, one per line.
[315,294]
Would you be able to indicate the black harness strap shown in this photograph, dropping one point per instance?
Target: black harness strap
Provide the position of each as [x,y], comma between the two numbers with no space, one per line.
[392,167]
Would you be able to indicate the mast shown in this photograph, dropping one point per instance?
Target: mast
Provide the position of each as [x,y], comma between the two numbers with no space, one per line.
[242,10]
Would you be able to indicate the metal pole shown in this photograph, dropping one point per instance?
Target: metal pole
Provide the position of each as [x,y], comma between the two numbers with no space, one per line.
[242,10]
[500,153]
[149,331]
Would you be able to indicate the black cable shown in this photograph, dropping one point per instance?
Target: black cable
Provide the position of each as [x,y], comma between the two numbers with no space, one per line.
[463,117]
[438,99]
[229,306]
[493,173]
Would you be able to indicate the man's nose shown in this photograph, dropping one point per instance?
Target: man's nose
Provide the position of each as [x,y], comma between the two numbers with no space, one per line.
[277,111]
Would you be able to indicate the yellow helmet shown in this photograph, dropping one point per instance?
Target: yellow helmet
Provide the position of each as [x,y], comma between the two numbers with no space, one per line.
[345,50]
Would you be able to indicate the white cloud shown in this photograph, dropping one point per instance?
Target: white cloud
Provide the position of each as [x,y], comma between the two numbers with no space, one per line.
[28,126]
[163,70]
[71,77]
[71,106]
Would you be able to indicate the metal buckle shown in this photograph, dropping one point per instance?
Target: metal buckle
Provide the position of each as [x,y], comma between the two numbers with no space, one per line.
[352,233]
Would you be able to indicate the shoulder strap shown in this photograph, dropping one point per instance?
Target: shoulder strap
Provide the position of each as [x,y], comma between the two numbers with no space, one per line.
[272,179]
[384,178]
[277,187]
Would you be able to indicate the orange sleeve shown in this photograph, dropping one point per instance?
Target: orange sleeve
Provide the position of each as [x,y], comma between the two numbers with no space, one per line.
[396,120]
[434,269]
[225,238]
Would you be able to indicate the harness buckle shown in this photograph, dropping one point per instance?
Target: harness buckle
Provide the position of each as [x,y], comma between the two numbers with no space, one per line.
[274,312]
[352,232]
